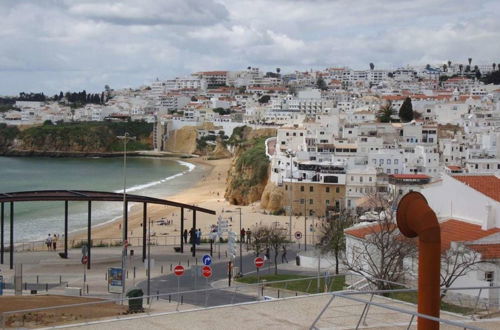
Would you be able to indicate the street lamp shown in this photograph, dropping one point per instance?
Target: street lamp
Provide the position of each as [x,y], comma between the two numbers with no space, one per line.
[125,137]
[290,154]
[305,221]
[241,242]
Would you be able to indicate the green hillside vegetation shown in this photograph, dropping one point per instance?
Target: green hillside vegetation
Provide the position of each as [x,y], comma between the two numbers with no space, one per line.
[85,136]
[253,162]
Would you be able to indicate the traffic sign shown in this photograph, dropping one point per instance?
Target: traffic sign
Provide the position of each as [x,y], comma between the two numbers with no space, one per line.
[85,260]
[207,260]
[206,271]
[298,235]
[179,270]
[259,262]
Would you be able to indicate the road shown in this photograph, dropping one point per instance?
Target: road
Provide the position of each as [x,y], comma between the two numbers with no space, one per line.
[193,280]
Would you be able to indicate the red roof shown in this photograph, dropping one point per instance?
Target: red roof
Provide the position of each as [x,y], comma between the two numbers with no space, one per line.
[410,176]
[362,232]
[460,231]
[454,167]
[488,185]
[488,251]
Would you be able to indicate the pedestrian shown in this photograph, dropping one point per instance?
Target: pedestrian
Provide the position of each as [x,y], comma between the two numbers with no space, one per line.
[185,235]
[242,235]
[249,233]
[191,235]
[267,255]
[48,242]
[283,255]
[198,236]
[54,242]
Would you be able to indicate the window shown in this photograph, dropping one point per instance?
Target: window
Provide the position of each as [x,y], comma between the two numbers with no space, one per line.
[381,162]
[301,134]
[301,188]
[396,171]
[327,202]
[489,276]
[352,178]
[302,201]
[327,189]
[370,179]
[374,161]
[311,189]
[294,134]
[396,161]
[388,162]
[360,179]
[337,190]
[310,202]
[388,171]
[287,134]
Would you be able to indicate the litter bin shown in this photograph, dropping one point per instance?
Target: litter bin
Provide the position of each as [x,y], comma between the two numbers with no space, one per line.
[131,253]
[297,260]
[135,301]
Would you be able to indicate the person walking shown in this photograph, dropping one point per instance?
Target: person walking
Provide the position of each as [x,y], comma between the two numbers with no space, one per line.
[54,242]
[267,255]
[283,255]
[242,235]
[198,236]
[185,236]
[249,233]
[192,233]
[48,242]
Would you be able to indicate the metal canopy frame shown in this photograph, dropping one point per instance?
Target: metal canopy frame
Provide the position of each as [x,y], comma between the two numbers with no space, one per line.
[87,196]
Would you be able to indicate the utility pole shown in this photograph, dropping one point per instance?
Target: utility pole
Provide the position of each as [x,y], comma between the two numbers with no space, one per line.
[149,260]
[241,247]
[305,224]
[290,154]
[125,139]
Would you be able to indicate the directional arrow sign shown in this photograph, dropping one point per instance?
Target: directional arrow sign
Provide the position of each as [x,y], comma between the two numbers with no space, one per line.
[207,260]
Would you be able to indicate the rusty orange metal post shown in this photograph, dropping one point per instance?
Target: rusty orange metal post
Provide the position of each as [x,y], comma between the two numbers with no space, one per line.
[416,218]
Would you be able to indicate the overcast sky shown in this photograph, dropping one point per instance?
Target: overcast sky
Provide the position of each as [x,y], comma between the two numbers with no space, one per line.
[52,45]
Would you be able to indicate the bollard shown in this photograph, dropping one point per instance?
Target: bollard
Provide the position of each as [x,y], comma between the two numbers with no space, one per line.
[170,267]
[278,294]
[87,289]
[196,261]
[127,273]
[46,286]
[169,298]
[60,279]
[295,293]
[37,279]
[162,269]
[182,300]
[134,271]
[157,295]
[25,286]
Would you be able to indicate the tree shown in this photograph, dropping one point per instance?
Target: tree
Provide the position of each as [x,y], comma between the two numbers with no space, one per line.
[445,67]
[427,66]
[332,237]
[406,111]
[372,66]
[456,262]
[494,66]
[380,253]
[385,113]
[321,84]
[264,99]
[470,60]
[278,70]
[269,237]
[461,67]
[449,63]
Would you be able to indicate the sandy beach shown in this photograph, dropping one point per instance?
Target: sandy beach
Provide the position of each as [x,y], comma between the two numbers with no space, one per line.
[207,193]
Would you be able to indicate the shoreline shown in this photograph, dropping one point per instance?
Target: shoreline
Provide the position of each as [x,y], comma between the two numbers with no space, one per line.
[79,154]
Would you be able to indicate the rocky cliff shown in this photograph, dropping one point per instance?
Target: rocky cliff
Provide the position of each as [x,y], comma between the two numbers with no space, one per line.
[249,170]
[272,198]
[182,140]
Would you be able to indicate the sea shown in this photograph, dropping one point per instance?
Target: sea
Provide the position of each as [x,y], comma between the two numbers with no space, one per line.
[153,177]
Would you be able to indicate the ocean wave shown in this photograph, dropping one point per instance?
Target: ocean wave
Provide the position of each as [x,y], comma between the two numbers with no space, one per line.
[190,167]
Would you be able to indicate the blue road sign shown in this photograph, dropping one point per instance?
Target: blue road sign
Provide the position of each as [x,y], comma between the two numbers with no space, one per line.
[207,260]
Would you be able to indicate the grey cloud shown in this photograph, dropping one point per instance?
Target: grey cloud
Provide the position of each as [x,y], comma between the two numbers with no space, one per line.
[151,12]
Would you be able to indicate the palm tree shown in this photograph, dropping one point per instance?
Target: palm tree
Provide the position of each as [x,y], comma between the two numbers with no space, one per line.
[494,66]
[449,63]
[278,70]
[476,68]
[428,67]
[445,67]
[470,60]
[372,66]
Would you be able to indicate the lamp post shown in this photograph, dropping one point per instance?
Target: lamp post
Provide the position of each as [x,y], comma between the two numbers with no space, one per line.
[241,242]
[305,222]
[125,137]
[290,154]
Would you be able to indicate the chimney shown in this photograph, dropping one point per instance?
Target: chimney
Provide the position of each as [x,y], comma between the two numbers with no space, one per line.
[489,222]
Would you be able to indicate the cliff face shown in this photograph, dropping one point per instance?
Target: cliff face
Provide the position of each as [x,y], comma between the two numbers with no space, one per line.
[272,198]
[78,138]
[182,140]
[249,170]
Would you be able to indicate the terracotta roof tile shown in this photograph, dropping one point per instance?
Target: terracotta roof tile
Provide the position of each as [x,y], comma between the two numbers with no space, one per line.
[363,231]
[488,185]
[410,176]
[460,231]
[488,251]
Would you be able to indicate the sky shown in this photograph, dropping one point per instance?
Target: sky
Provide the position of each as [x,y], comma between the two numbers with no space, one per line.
[67,45]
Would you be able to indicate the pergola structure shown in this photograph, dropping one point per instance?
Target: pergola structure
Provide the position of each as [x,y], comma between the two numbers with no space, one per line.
[87,196]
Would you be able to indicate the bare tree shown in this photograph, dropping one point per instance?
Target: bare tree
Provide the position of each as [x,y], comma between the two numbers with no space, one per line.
[269,237]
[332,237]
[456,262]
[380,253]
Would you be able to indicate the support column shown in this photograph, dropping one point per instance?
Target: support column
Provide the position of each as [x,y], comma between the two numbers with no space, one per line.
[126,221]
[65,229]
[182,230]
[11,250]
[144,231]
[194,228]
[1,233]
[89,234]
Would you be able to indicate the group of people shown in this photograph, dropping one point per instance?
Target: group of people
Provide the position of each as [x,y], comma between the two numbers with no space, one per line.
[246,233]
[267,255]
[194,236]
[51,242]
